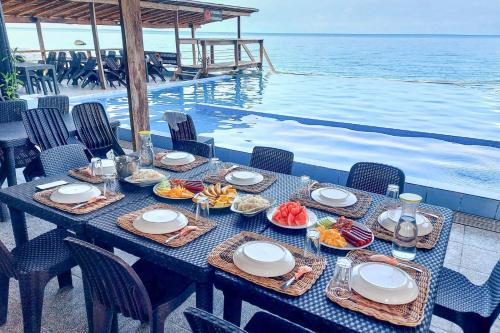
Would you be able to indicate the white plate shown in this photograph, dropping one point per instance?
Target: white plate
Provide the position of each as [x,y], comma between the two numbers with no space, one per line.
[160,221]
[349,246]
[177,158]
[75,193]
[251,178]
[383,283]
[349,201]
[311,219]
[155,191]
[386,220]
[251,213]
[265,259]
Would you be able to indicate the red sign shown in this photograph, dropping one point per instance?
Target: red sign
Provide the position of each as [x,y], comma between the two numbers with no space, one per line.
[212,15]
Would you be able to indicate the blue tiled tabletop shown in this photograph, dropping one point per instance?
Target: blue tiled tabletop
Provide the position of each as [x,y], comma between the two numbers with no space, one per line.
[314,309]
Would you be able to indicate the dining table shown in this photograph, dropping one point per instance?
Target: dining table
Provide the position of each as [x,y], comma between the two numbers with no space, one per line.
[13,135]
[312,309]
[26,67]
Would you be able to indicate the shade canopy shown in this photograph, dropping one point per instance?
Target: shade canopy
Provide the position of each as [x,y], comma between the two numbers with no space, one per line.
[154,13]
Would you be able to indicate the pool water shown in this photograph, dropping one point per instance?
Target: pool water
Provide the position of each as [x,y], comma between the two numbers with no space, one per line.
[425,107]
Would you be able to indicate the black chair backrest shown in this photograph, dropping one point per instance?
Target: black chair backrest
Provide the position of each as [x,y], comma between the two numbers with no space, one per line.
[111,54]
[60,102]
[193,147]
[493,284]
[82,55]
[203,322]
[185,131]
[93,128]
[90,64]
[375,177]
[272,159]
[61,62]
[112,282]
[45,127]
[11,110]
[7,262]
[51,58]
[59,160]
[112,65]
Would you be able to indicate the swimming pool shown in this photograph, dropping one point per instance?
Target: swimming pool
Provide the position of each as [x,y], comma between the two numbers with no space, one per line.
[255,109]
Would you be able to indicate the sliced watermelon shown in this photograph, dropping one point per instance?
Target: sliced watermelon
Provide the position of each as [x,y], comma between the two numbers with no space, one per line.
[301,218]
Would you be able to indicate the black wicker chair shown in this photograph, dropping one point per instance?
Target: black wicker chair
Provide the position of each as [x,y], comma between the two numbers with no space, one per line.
[272,159]
[59,160]
[185,130]
[60,102]
[203,322]
[193,147]
[45,127]
[474,308]
[34,264]
[24,156]
[375,177]
[94,130]
[143,292]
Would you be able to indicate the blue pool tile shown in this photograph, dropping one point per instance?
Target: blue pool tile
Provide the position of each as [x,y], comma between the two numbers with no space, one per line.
[444,198]
[343,177]
[479,206]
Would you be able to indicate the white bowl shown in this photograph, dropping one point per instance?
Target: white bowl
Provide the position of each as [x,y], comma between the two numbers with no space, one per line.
[244,178]
[390,218]
[253,212]
[333,196]
[75,193]
[108,167]
[177,158]
[312,219]
[265,259]
[383,283]
[160,221]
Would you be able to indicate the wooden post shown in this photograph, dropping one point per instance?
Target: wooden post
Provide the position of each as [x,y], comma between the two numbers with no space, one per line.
[239,37]
[40,39]
[177,39]
[97,48]
[212,54]
[133,47]
[193,46]
[261,53]
[236,53]
[204,63]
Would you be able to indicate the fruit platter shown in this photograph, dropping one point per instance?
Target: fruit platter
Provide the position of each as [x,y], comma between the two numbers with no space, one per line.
[218,196]
[343,234]
[178,189]
[291,215]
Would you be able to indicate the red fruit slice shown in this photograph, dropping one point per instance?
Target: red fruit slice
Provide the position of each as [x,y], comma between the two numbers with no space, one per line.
[295,210]
[291,219]
[276,215]
[301,218]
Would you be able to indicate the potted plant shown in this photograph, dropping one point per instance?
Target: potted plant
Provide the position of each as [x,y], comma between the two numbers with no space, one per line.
[9,82]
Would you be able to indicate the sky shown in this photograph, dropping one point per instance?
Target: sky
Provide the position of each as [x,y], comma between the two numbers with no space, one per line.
[367,16]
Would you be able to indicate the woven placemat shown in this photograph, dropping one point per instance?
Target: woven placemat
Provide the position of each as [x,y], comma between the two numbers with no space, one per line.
[83,174]
[198,160]
[43,197]
[222,258]
[126,222]
[268,180]
[410,314]
[356,211]
[424,242]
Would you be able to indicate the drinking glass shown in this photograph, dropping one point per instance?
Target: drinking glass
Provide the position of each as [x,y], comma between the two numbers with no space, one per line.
[109,177]
[392,191]
[312,245]
[202,207]
[96,166]
[305,185]
[215,167]
[341,281]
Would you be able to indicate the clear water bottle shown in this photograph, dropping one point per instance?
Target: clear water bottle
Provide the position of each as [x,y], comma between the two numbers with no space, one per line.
[404,243]
[147,154]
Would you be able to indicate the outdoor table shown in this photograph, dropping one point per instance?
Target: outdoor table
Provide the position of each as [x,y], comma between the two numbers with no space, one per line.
[26,67]
[313,309]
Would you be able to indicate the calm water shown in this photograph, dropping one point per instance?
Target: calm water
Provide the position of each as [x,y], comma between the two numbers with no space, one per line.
[438,84]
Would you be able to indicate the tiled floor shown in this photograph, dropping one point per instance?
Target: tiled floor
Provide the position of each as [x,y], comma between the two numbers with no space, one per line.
[471,251]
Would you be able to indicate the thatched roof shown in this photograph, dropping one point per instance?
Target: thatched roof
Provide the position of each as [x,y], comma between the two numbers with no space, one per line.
[155,13]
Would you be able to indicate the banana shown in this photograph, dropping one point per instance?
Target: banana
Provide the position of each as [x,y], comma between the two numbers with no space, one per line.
[218,188]
[225,189]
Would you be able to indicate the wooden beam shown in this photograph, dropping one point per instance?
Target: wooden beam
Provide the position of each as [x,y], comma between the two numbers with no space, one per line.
[133,47]
[261,53]
[239,36]
[193,47]
[97,47]
[40,39]
[177,38]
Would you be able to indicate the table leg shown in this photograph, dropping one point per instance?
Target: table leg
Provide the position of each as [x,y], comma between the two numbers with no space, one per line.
[18,221]
[205,296]
[28,80]
[10,163]
[232,308]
